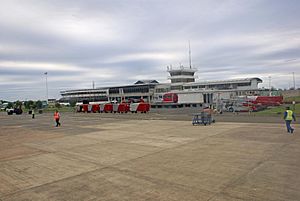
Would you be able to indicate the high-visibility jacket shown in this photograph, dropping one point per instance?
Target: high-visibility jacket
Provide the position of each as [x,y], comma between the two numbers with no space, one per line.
[56,115]
[289,115]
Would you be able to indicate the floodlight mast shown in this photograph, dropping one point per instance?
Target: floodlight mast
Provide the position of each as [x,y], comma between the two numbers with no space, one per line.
[294,82]
[46,74]
[190,56]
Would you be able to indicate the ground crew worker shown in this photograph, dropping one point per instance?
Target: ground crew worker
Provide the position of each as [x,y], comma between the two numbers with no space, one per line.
[288,117]
[32,112]
[57,117]
[207,115]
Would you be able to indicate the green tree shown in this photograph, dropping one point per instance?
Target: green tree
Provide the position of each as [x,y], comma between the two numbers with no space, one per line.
[39,104]
[29,104]
[10,105]
[18,104]
[72,103]
[57,105]
[33,105]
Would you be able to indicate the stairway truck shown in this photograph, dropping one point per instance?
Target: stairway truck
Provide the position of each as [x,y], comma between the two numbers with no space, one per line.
[139,107]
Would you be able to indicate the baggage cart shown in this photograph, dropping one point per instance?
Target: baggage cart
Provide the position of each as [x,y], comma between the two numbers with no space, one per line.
[203,118]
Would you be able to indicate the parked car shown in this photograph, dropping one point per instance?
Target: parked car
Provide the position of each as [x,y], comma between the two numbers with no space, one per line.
[10,111]
[17,111]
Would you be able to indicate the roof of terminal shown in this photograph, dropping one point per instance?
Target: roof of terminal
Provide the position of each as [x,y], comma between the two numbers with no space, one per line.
[226,81]
[154,82]
[146,82]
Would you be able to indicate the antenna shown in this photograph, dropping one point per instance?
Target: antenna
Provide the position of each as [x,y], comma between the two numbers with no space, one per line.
[93,85]
[190,58]
[294,81]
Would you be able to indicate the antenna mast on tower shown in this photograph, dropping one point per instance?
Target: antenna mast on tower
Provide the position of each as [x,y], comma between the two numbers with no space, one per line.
[190,57]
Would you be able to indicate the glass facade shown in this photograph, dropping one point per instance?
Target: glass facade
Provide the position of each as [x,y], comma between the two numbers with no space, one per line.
[131,89]
[176,87]
[178,80]
[177,73]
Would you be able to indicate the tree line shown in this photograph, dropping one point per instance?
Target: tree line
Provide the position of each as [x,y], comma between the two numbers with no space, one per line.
[27,104]
[30,104]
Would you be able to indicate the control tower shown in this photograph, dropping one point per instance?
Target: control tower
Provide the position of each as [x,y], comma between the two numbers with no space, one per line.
[181,74]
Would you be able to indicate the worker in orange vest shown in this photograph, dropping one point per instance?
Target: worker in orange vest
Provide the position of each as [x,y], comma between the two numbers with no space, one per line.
[57,117]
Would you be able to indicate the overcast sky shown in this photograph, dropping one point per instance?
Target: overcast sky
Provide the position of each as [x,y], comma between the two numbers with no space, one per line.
[116,42]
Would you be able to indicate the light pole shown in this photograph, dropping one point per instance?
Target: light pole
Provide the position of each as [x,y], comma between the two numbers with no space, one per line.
[94,91]
[46,74]
[293,73]
[294,81]
[269,85]
[294,101]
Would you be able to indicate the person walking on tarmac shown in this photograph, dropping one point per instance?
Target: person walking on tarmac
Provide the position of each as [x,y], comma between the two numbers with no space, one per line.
[32,112]
[56,118]
[288,117]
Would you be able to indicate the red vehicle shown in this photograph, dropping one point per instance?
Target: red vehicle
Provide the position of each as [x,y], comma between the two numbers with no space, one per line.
[242,107]
[170,98]
[254,103]
[266,100]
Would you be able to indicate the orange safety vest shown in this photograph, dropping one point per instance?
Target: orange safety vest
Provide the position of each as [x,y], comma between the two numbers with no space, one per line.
[56,115]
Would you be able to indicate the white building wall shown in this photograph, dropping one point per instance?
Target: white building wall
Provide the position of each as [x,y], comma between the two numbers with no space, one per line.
[222,96]
[158,97]
[190,98]
[245,87]
[254,84]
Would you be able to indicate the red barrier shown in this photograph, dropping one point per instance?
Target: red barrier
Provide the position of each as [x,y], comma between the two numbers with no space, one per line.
[143,107]
[85,108]
[123,108]
[108,108]
[117,107]
[95,108]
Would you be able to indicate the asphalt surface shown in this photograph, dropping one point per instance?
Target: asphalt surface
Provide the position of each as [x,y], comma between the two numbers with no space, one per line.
[155,156]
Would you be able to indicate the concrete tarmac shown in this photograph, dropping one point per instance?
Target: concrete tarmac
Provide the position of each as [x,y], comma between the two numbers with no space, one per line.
[139,157]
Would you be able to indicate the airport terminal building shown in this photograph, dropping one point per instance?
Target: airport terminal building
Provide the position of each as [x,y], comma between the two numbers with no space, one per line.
[182,84]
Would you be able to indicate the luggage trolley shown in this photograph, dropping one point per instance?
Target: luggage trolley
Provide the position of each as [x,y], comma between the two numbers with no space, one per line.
[202,118]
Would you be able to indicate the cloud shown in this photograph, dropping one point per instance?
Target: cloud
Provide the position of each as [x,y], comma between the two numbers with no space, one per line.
[116,42]
[38,66]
